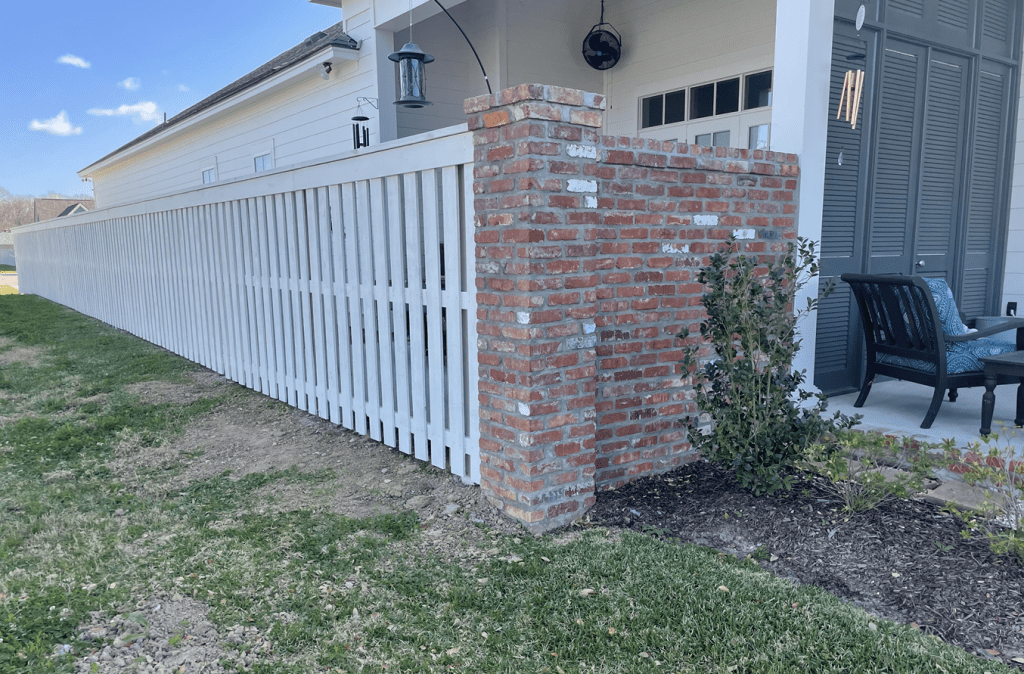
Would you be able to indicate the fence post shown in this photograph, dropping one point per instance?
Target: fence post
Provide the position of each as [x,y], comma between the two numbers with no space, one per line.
[536,297]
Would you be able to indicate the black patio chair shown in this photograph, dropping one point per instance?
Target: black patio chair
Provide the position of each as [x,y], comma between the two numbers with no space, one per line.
[905,337]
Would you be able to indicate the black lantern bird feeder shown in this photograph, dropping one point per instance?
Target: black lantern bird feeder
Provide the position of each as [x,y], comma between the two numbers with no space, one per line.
[412,76]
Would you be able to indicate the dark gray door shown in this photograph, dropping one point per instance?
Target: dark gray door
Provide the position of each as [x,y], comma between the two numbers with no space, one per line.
[922,185]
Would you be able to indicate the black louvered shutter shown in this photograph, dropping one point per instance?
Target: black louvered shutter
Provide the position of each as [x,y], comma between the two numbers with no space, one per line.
[942,167]
[837,345]
[989,161]
[894,205]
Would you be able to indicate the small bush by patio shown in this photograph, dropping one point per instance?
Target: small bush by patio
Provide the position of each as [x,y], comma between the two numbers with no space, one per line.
[762,421]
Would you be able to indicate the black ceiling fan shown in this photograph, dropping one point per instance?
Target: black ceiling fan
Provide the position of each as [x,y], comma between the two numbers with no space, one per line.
[602,47]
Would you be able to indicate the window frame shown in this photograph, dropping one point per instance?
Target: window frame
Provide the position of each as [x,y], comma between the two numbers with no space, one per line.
[262,149]
[688,99]
[212,168]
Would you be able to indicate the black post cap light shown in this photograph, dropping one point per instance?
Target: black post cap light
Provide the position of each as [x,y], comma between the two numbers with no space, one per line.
[412,76]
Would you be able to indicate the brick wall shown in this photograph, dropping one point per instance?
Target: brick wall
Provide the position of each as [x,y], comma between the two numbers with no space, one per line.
[588,248]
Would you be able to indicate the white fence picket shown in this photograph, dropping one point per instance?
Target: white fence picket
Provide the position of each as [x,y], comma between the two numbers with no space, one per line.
[399,313]
[344,288]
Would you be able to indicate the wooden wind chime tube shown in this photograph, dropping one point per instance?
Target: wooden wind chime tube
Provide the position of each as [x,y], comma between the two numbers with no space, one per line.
[853,87]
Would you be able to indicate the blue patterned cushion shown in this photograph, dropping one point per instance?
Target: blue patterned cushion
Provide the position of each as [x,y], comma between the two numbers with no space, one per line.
[960,356]
[944,302]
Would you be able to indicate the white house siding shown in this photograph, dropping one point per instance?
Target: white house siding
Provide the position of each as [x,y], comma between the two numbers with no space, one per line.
[544,43]
[304,120]
[669,45]
[1013,285]
[519,41]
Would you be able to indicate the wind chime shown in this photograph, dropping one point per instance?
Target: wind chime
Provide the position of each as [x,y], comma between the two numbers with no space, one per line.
[853,86]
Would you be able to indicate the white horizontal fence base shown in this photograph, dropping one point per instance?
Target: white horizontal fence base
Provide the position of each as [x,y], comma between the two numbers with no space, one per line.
[350,294]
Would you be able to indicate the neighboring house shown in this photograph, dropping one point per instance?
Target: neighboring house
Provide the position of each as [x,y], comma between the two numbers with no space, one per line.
[923,186]
[6,248]
[48,209]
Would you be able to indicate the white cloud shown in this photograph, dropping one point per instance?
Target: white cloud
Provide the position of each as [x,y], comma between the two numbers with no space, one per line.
[73,60]
[131,84]
[58,126]
[182,87]
[146,111]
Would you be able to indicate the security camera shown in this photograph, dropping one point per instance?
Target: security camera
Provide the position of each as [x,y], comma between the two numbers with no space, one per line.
[325,70]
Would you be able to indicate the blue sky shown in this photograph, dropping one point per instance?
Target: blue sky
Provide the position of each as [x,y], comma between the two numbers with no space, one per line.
[80,79]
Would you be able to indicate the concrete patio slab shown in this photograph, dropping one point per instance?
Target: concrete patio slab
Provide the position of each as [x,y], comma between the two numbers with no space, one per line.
[898,408]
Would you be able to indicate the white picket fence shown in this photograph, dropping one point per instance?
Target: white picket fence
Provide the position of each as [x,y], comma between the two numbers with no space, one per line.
[343,288]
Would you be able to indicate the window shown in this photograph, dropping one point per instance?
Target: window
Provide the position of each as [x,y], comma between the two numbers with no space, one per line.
[663,109]
[263,163]
[758,90]
[653,109]
[727,96]
[702,101]
[675,106]
[758,139]
[210,175]
[723,97]
[716,139]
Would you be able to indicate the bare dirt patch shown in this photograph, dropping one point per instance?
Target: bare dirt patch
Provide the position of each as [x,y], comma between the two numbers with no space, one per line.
[29,355]
[252,434]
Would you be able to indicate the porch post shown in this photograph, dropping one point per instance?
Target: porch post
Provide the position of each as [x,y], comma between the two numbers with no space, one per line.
[803,62]
[536,299]
[387,116]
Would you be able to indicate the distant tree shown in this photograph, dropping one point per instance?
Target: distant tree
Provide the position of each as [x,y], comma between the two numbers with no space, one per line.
[14,209]
[53,194]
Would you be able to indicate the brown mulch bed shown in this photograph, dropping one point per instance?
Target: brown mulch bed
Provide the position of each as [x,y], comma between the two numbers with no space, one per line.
[905,560]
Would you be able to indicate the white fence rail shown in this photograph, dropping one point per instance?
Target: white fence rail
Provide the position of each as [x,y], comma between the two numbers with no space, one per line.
[344,288]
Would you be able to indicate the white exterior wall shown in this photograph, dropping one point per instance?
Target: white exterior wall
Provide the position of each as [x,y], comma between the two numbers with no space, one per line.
[1013,284]
[669,45]
[543,43]
[518,41]
[303,121]
[454,76]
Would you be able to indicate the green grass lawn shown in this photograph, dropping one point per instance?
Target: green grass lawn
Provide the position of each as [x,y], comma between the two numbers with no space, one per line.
[6,267]
[337,594]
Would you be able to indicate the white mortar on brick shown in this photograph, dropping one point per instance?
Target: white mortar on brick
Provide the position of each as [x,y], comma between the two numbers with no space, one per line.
[522,317]
[587,151]
[524,409]
[744,233]
[705,220]
[577,185]
[677,248]
[590,202]
[589,328]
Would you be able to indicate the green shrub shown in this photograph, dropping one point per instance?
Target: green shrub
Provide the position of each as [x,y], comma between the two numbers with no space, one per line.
[853,469]
[761,419]
[1000,472]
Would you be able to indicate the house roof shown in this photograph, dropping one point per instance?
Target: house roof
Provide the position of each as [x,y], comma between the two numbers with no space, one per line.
[73,208]
[333,36]
[48,209]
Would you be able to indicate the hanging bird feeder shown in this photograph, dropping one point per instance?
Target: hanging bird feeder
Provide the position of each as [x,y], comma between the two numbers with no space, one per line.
[412,76]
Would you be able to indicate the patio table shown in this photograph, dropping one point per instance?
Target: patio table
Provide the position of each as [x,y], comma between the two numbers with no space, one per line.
[1009,364]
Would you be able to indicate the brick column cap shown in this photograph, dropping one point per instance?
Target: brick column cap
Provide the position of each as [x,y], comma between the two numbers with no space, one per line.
[534,92]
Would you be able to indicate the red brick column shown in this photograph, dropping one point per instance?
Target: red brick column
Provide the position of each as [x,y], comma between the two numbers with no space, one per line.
[536,299]
[588,249]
